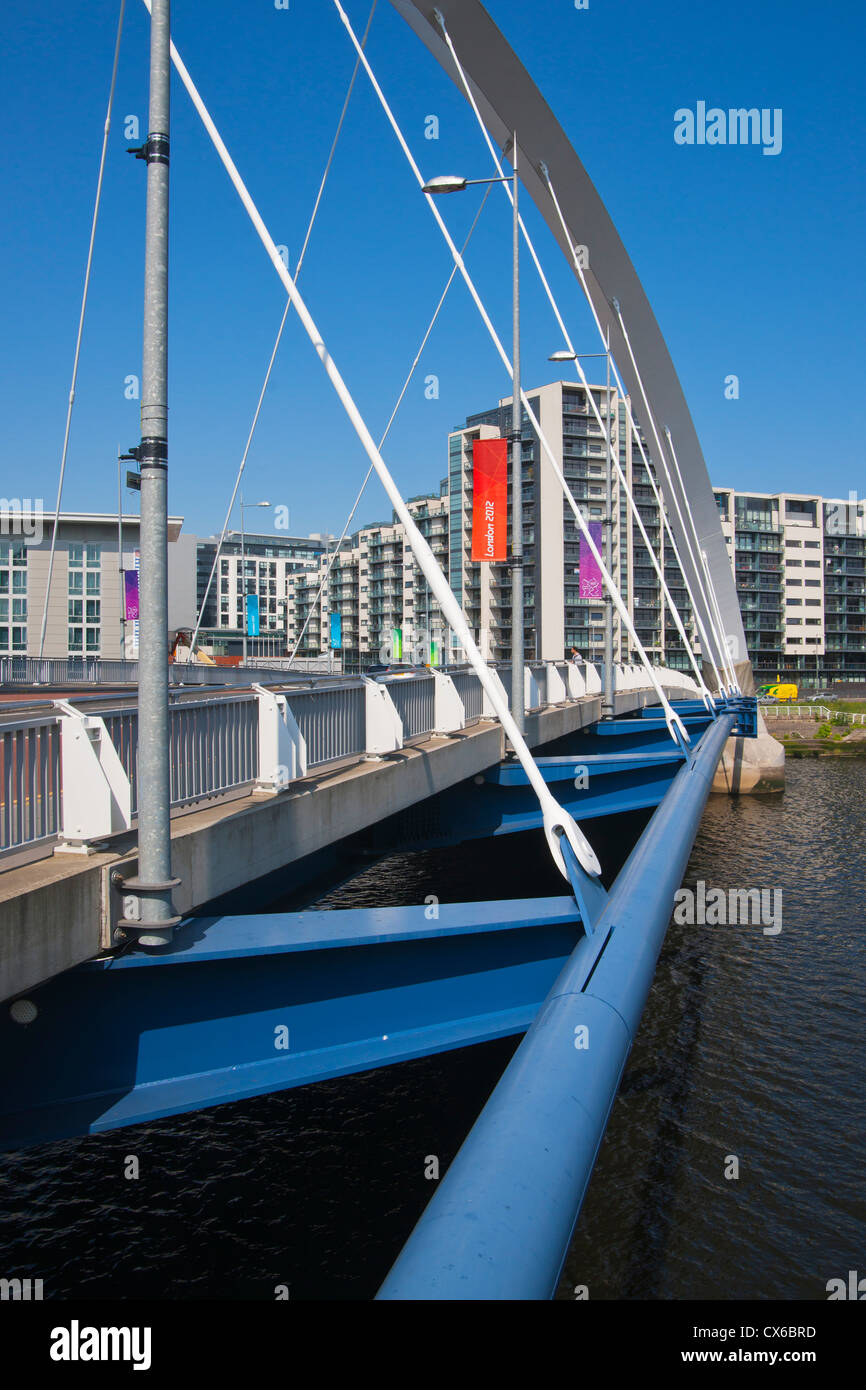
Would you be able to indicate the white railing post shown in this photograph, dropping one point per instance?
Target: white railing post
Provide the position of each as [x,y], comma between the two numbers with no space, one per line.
[531,692]
[282,747]
[487,710]
[576,682]
[556,691]
[97,799]
[449,712]
[384,727]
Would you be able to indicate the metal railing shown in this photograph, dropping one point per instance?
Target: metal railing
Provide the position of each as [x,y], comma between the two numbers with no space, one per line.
[29,788]
[332,721]
[218,743]
[83,670]
[468,687]
[31,670]
[811,712]
[214,748]
[414,698]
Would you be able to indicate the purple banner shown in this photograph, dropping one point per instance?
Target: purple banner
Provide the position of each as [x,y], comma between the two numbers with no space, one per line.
[130,590]
[591,582]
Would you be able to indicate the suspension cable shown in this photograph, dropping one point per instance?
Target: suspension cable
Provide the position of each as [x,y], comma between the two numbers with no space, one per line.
[56,518]
[310,224]
[674,723]
[707,645]
[662,461]
[399,402]
[555,307]
[711,586]
[558,823]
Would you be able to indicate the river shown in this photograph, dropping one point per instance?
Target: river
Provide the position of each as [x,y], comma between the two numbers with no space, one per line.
[751,1049]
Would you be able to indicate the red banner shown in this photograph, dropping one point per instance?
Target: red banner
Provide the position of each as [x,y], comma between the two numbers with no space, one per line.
[489,499]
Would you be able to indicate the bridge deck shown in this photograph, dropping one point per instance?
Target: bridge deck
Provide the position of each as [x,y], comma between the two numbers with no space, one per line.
[60,911]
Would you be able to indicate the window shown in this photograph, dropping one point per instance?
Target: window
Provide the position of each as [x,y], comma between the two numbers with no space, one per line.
[13,575]
[793,542]
[812,564]
[812,545]
[84,606]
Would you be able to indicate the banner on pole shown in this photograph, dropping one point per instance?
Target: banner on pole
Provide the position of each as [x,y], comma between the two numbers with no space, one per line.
[591,582]
[489,499]
[130,594]
[252,615]
[336,632]
[135,623]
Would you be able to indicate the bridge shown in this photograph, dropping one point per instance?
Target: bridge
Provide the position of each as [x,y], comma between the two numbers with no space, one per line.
[140,831]
[269,779]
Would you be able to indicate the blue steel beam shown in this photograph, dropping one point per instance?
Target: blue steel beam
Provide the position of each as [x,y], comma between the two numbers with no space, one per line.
[502,1218]
[242,1006]
[501,802]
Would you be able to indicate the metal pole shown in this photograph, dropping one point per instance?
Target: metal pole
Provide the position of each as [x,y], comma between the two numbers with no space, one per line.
[517,694]
[662,568]
[607,707]
[120,560]
[243,587]
[153,917]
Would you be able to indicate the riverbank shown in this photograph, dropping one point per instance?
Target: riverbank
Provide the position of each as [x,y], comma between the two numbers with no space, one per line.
[813,738]
[823,747]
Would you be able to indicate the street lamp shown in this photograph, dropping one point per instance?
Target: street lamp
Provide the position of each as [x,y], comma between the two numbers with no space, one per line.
[566,355]
[454,183]
[246,506]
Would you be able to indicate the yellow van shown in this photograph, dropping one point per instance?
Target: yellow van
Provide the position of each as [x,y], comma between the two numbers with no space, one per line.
[778,692]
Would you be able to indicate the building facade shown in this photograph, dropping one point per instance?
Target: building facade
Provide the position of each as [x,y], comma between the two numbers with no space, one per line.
[257,564]
[799,563]
[556,618]
[86,614]
[376,588]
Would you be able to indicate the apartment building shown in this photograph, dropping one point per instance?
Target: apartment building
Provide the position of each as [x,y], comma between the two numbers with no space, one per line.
[87,609]
[555,616]
[799,563]
[257,564]
[385,607]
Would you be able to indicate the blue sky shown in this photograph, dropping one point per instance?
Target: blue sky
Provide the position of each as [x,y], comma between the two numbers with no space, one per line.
[753,264]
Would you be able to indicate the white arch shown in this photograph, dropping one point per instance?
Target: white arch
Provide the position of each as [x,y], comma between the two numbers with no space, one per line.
[509,100]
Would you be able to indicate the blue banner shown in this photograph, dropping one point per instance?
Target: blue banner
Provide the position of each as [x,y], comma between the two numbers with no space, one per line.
[252,615]
[336,632]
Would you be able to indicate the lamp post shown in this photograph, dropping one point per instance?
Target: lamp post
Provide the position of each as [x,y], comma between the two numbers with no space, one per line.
[449,183]
[566,355]
[247,506]
[149,914]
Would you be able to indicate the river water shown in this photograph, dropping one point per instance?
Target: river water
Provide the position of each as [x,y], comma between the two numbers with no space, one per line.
[751,1049]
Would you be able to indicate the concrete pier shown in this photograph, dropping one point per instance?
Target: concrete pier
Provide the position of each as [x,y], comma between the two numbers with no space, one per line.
[751,765]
